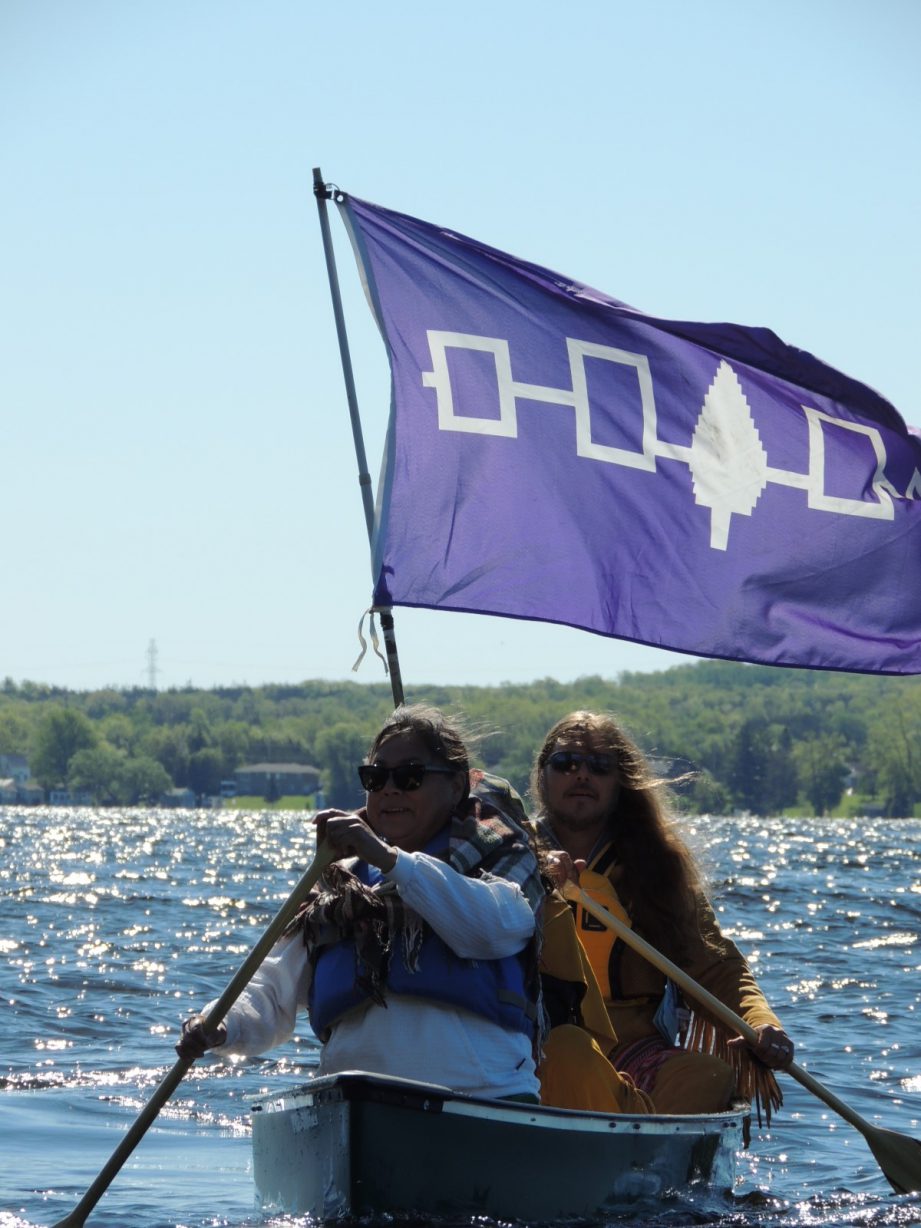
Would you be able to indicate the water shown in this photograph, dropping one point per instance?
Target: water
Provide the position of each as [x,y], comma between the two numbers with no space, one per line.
[115,925]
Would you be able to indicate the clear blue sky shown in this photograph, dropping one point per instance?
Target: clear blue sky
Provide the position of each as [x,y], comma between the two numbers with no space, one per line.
[176,455]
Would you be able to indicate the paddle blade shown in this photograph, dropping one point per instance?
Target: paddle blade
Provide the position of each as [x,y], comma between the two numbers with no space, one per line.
[899,1156]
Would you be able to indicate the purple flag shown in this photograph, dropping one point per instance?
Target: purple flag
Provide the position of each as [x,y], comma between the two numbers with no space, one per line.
[554,454]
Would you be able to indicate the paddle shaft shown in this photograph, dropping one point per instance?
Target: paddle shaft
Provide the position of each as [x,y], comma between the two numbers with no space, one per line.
[705,998]
[174,1077]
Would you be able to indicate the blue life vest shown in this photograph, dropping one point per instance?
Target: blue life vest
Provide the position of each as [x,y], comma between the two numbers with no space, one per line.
[493,988]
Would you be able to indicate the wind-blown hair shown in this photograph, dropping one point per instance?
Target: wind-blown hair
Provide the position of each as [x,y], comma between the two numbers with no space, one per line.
[444,738]
[660,881]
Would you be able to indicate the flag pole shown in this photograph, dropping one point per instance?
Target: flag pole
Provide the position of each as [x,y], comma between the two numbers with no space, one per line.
[322,194]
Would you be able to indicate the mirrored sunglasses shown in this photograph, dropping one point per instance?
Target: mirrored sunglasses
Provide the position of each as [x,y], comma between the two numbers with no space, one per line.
[566,761]
[406,777]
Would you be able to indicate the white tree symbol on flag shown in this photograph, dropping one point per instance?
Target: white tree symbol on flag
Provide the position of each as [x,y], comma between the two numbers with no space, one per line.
[728,462]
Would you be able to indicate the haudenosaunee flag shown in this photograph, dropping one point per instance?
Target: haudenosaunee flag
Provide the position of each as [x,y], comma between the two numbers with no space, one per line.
[556,455]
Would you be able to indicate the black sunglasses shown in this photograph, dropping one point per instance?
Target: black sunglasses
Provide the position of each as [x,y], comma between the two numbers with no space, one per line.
[567,761]
[406,777]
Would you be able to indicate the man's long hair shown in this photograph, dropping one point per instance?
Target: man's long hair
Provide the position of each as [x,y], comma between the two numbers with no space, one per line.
[658,878]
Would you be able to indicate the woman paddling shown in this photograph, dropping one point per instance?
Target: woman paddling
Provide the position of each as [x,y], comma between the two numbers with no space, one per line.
[603,819]
[415,956]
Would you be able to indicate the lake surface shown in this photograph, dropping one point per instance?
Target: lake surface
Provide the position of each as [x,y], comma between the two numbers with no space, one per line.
[115,925]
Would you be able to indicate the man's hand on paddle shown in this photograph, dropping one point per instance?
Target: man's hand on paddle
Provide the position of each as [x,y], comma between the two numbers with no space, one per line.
[560,868]
[774,1047]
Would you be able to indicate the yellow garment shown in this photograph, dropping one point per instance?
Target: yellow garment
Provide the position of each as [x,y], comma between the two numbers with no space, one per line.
[705,1077]
[563,956]
[693,1083]
[594,935]
[711,959]
[575,1074]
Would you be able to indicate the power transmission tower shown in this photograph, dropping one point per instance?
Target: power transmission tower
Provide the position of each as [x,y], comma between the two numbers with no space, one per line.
[152,665]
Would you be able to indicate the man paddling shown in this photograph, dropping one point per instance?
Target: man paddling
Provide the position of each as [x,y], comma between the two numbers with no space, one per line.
[603,820]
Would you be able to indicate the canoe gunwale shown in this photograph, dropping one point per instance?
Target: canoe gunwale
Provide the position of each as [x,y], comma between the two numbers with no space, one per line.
[337,1148]
[351,1085]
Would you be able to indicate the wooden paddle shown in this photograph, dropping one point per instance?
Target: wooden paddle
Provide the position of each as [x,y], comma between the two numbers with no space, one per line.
[77,1217]
[898,1155]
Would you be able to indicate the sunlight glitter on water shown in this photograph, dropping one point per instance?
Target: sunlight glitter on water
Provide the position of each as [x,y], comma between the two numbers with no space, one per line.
[117,924]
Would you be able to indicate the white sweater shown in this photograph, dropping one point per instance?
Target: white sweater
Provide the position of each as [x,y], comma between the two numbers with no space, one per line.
[484,918]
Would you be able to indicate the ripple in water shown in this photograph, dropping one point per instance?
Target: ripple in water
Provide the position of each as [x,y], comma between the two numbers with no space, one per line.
[115,925]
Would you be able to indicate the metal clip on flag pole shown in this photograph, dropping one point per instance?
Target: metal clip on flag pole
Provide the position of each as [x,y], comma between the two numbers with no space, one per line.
[322,194]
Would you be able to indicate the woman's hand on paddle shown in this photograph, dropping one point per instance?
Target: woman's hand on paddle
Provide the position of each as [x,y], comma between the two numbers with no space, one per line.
[774,1047]
[195,1040]
[348,835]
[322,817]
[560,867]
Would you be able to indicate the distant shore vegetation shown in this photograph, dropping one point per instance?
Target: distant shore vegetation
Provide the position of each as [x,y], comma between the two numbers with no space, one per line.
[766,741]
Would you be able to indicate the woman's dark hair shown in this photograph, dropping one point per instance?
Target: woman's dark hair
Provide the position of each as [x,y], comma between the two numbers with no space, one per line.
[660,882]
[444,738]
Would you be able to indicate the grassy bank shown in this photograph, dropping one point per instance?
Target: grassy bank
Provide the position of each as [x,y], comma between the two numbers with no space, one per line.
[259,803]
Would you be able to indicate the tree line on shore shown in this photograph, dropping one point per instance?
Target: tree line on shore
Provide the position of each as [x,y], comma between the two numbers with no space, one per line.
[756,739]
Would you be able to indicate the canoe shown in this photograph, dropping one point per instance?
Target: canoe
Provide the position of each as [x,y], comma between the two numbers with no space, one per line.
[358,1144]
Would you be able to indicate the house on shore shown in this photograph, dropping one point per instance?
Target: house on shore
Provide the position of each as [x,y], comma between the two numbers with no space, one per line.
[277,779]
[69,797]
[16,783]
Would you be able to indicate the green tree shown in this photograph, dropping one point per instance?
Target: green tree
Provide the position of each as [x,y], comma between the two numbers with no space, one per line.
[61,733]
[98,771]
[339,750]
[113,778]
[169,746]
[278,745]
[781,778]
[199,735]
[119,731]
[822,771]
[895,747]
[233,738]
[206,770]
[144,780]
[748,767]
[707,796]
[14,734]
[737,722]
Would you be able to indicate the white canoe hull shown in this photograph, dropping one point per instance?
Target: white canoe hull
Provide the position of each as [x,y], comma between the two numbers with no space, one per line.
[357,1144]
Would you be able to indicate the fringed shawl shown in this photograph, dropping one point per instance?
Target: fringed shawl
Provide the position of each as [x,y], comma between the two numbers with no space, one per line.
[754,1081]
[481,844]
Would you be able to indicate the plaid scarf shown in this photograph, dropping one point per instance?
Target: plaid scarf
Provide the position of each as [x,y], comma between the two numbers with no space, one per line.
[482,843]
